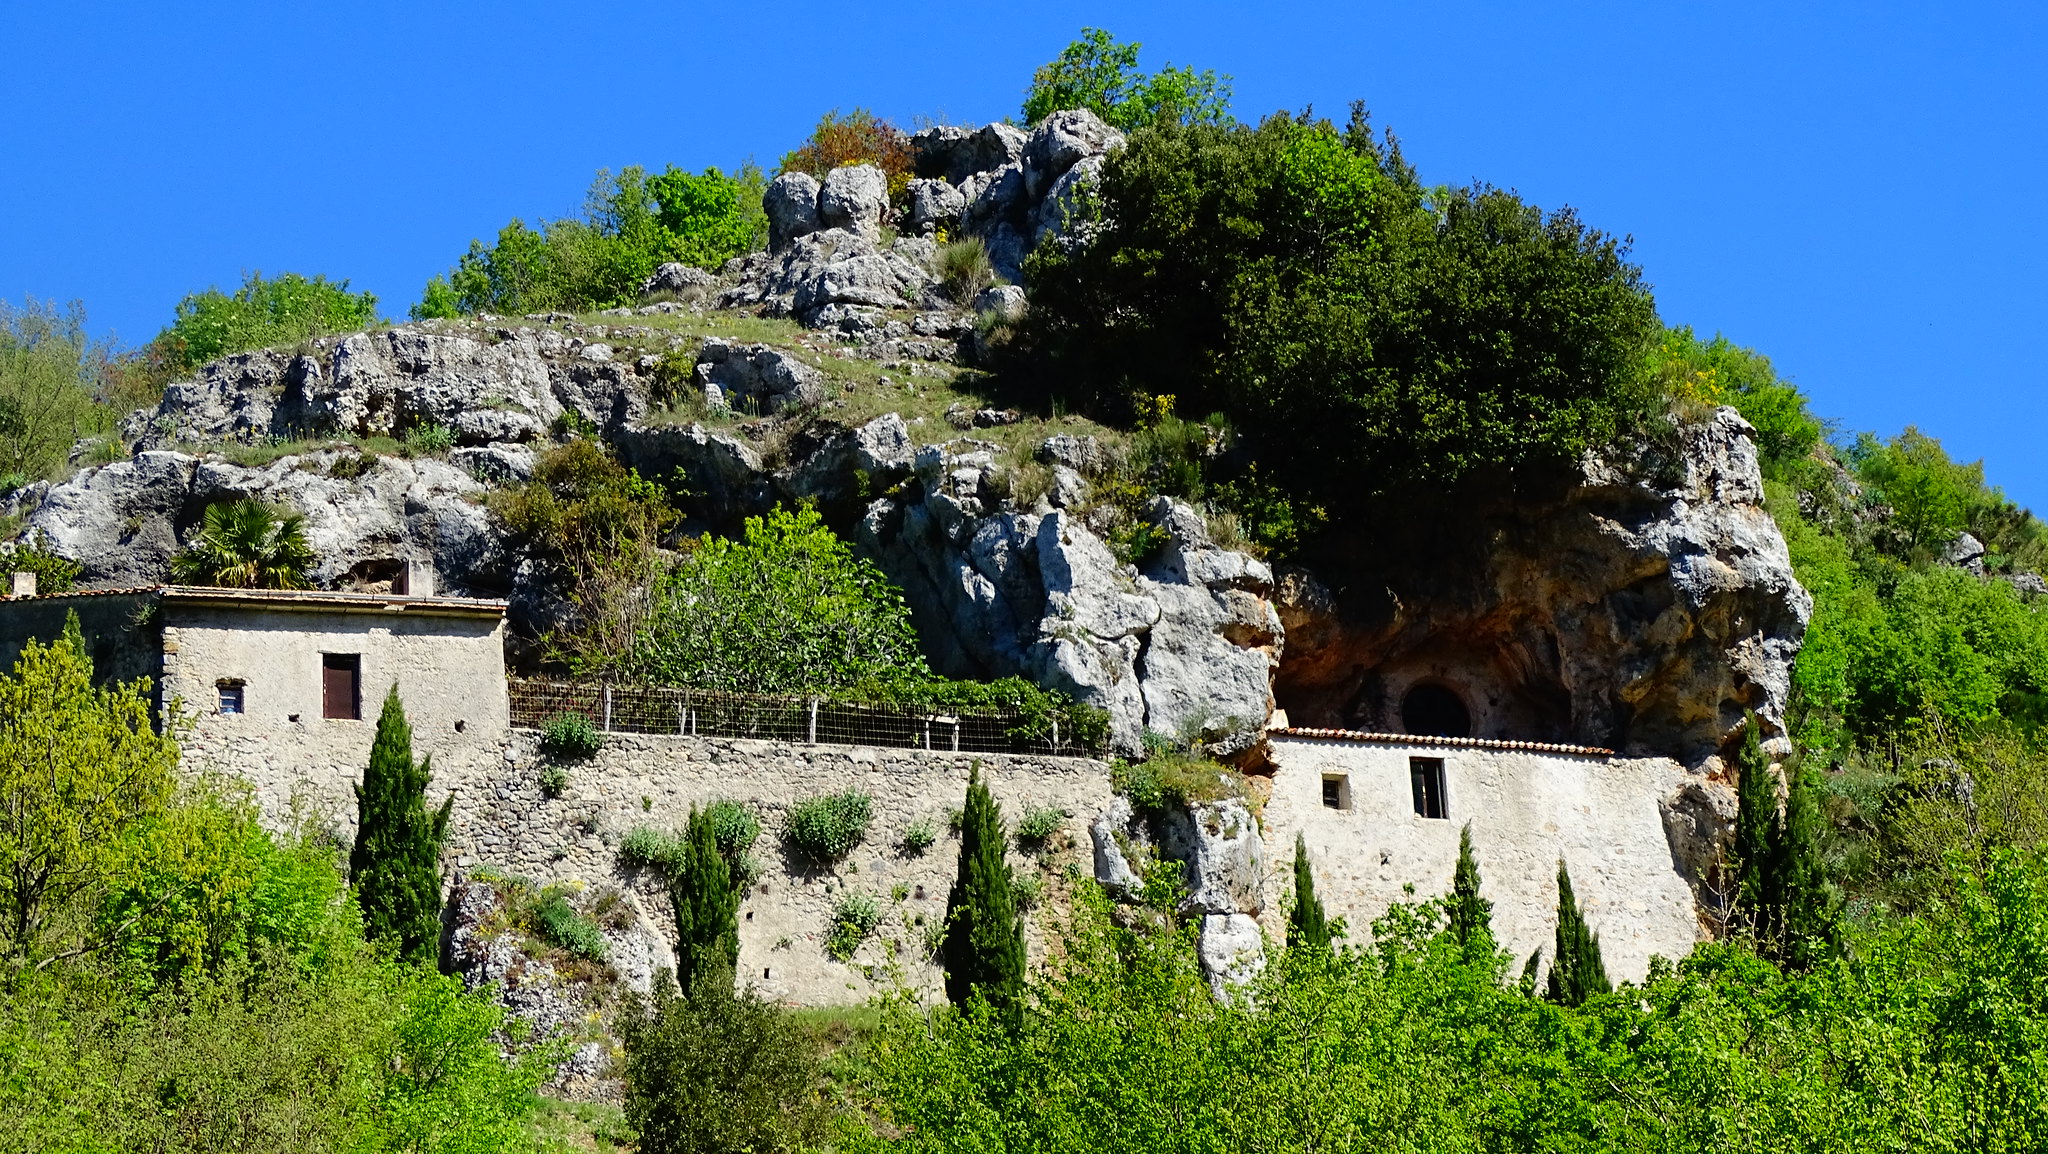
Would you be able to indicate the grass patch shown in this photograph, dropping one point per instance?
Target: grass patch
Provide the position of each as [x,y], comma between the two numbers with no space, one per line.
[599,1127]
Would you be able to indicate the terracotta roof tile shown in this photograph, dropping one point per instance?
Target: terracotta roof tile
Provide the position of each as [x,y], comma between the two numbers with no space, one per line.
[1453,742]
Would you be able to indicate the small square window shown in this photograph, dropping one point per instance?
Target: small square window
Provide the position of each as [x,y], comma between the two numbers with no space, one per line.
[230,700]
[1426,779]
[1336,791]
[341,677]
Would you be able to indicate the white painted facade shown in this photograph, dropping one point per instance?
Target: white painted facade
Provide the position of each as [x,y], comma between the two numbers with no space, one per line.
[1528,806]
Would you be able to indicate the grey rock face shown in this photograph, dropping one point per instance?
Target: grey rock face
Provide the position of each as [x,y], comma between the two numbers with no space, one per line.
[1233,952]
[934,204]
[1004,300]
[953,153]
[1061,141]
[675,277]
[757,378]
[854,197]
[1223,871]
[2028,584]
[821,269]
[791,203]
[1965,553]
[1644,613]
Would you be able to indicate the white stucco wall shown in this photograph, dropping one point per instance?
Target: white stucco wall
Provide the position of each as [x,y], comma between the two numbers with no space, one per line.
[1526,809]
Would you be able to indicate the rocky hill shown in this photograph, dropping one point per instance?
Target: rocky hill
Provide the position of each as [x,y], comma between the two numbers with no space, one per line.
[1640,607]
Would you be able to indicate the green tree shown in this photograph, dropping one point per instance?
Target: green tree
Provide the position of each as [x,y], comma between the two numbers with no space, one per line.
[47,400]
[246,544]
[788,608]
[1721,372]
[395,867]
[1577,971]
[1307,928]
[713,1070]
[706,904]
[260,314]
[983,947]
[1930,496]
[81,768]
[1099,73]
[1811,900]
[1471,916]
[1756,838]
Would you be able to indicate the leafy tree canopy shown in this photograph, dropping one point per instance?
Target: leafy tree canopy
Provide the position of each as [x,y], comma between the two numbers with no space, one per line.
[54,385]
[280,311]
[1100,73]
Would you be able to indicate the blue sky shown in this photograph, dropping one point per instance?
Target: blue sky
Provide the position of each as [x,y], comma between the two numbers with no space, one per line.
[1852,189]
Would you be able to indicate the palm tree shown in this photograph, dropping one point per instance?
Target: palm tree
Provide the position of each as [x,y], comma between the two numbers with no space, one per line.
[246,544]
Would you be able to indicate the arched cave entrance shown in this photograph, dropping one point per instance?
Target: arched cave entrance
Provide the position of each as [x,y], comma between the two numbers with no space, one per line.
[1431,710]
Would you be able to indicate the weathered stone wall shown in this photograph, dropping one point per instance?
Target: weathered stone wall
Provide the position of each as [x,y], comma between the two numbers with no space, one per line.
[1527,810]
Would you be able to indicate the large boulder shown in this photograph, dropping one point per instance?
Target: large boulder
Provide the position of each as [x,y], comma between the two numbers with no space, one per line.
[855,197]
[820,270]
[791,202]
[934,205]
[757,379]
[1643,604]
[953,153]
[1061,141]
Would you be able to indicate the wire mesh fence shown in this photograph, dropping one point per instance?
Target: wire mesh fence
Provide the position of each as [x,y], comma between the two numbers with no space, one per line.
[810,720]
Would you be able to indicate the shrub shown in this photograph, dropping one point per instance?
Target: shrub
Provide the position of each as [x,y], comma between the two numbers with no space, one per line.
[1037,825]
[54,574]
[854,917]
[260,314]
[964,269]
[1172,774]
[1100,74]
[714,1070]
[428,439]
[1028,890]
[47,387]
[919,837]
[553,780]
[569,735]
[859,137]
[246,544]
[825,829]
[734,826]
[561,925]
[644,846]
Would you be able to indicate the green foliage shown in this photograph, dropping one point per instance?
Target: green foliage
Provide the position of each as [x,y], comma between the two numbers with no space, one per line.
[246,544]
[964,270]
[395,865]
[983,948]
[825,829]
[570,735]
[631,224]
[1172,772]
[563,926]
[1100,74]
[734,826]
[645,846]
[706,909]
[49,374]
[554,780]
[81,770]
[1929,495]
[712,1070]
[1720,372]
[54,574]
[261,314]
[920,837]
[1470,916]
[1577,971]
[1307,927]
[789,608]
[1783,898]
[854,916]
[1038,825]
[1362,333]
[427,440]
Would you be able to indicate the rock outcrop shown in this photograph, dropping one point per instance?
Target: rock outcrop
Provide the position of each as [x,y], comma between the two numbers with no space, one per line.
[1222,869]
[1642,613]
[1010,188]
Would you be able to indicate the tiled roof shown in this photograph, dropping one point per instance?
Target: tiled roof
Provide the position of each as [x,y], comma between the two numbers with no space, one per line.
[1454,742]
[296,599]
[85,593]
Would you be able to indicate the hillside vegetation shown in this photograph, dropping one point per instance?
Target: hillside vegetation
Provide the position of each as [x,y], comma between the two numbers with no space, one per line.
[1285,324]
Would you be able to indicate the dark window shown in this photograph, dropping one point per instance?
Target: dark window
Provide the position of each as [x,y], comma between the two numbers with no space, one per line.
[230,699]
[1434,711]
[1336,791]
[1426,778]
[341,676]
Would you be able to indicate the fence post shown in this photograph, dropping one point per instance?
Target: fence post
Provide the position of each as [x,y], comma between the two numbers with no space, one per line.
[607,707]
[956,735]
[814,721]
[682,716]
[1055,734]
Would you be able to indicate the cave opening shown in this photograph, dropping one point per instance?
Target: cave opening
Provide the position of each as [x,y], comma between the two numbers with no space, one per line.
[1432,710]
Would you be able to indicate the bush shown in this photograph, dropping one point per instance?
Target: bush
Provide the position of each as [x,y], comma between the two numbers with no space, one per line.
[964,269]
[261,314]
[47,384]
[428,439]
[246,544]
[859,137]
[569,735]
[553,780]
[734,826]
[854,917]
[643,846]
[1037,825]
[1172,774]
[825,829]
[1100,74]
[562,926]
[919,837]
[54,574]
[716,1071]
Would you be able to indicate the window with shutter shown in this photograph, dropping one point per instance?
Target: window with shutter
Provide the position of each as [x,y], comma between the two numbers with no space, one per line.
[341,680]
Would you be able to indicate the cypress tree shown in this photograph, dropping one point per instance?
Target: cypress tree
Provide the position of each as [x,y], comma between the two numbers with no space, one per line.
[395,866]
[707,909]
[1307,928]
[1576,971]
[983,950]
[1471,915]
[1756,822]
[1811,903]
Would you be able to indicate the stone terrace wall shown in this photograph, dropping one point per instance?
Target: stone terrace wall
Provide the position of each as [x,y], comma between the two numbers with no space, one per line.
[504,821]
[1527,809]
